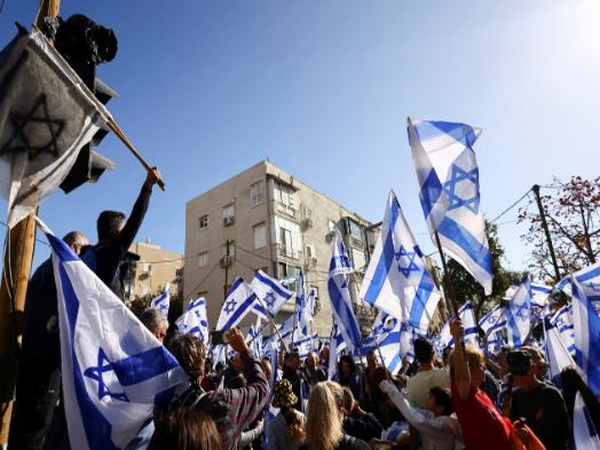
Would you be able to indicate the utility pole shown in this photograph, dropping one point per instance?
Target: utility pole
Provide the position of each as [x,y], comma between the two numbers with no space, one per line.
[226,285]
[586,235]
[536,191]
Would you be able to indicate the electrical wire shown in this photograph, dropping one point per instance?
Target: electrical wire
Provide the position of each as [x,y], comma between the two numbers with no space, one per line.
[511,206]
[204,279]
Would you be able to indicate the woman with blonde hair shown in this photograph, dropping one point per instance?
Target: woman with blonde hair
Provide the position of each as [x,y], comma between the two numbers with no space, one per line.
[324,420]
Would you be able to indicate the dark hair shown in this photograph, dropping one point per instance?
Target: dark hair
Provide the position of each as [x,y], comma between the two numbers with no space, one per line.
[423,350]
[442,398]
[190,352]
[350,361]
[109,224]
[183,429]
[348,399]
[75,237]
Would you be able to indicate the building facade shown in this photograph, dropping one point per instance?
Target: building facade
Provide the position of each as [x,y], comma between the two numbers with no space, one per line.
[265,218]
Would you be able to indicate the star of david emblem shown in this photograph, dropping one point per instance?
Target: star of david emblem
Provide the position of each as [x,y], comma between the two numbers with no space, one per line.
[95,373]
[389,325]
[594,286]
[41,124]
[459,183]
[522,311]
[230,306]
[406,261]
[270,299]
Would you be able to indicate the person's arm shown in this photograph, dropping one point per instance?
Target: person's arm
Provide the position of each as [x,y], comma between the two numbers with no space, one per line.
[138,211]
[462,374]
[248,436]
[416,417]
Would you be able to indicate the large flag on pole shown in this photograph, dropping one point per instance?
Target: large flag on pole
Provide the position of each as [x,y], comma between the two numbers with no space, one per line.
[47,115]
[448,179]
[493,321]
[238,303]
[301,309]
[397,280]
[271,293]
[588,279]
[586,325]
[163,301]
[556,352]
[194,320]
[518,314]
[341,303]
[585,435]
[114,371]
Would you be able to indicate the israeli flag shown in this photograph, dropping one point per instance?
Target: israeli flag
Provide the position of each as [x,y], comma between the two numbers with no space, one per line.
[518,314]
[238,303]
[465,312]
[556,352]
[397,280]
[305,345]
[114,371]
[255,338]
[194,320]
[341,304]
[448,179]
[539,295]
[585,435]
[336,345]
[586,324]
[271,294]
[562,321]
[386,336]
[162,302]
[493,321]
[588,279]
[301,308]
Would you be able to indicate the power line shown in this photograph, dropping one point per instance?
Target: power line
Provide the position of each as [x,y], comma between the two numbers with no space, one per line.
[511,206]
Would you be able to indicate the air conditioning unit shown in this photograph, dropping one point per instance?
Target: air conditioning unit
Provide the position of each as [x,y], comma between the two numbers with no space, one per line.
[311,263]
[227,221]
[225,261]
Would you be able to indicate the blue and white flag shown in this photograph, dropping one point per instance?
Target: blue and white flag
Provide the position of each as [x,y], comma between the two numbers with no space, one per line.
[301,309]
[114,371]
[539,295]
[336,345]
[341,303]
[465,312]
[588,279]
[238,303]
[585,435]
[562,321]
[305,345]
[493,321]
[270,293]
[586,324]
[397,280]
[448,179]
[518,315]
[255,338]
[556,352]
[194,320]
[163,301]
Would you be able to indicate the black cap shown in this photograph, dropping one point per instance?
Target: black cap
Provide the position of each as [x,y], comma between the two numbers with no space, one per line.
[519,362]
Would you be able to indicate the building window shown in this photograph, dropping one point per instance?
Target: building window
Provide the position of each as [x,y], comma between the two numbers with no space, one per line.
[257,193]
[310,251]
[260,236]
[355,230]
[285,238]
[203,222]
[228,214]
[203,259]
[290,274]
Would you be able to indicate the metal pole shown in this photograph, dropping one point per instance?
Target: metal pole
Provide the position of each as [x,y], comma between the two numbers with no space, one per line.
[536,192]
[226,285]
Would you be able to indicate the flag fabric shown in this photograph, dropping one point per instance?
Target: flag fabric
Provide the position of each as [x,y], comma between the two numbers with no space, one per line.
[194,320]
[586,325]
[341,303]
[397,280]
[562,321]
[518,314]
[238,303]
[305,345]
[270,293]
[301,307]
[336,345]
[114,371]
[448,179]
[47,115]
[585,435]
[556,352]
[588,279]
[539,295]
[493,321]
[465,312]
[255,338]
[162,302]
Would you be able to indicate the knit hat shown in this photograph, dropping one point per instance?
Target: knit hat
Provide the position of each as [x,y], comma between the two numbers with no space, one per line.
[284,397]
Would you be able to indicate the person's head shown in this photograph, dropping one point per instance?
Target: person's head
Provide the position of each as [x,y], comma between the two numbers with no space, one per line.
[371,360]
[347,366]
[156,322]
[522,369]
[439,401]
[219,368]
[75,240]
[109,225]
[423,351]
[184,429]
[537,359]
[311,360]
[292,360]
[324,355]
[190,352]
[325,416]
[475,360]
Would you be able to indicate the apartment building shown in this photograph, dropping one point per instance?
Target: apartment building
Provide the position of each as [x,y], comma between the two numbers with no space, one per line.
[265,218]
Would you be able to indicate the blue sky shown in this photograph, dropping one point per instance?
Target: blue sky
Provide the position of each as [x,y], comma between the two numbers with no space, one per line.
[323,89]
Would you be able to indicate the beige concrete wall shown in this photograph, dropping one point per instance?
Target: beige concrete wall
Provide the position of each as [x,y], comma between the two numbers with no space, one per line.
[163,265]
